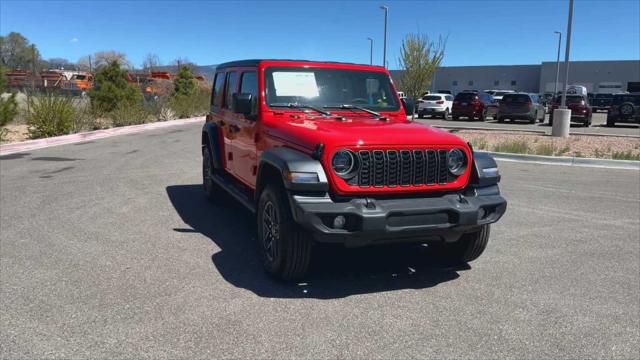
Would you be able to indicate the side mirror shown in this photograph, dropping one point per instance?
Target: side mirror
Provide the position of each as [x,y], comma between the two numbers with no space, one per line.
[409,105]
[241,103]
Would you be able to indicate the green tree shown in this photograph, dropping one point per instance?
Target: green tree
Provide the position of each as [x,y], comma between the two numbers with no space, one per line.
[17,53]
[8,103]
[185,84]
[419,59]
[112,89]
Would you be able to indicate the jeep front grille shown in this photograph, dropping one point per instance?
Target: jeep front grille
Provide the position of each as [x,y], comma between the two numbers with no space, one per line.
[391,168]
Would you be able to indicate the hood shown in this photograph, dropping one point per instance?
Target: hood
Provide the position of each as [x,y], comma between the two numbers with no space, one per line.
[358,131]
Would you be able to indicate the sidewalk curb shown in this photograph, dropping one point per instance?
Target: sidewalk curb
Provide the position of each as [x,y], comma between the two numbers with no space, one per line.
[567,161]
[12,148]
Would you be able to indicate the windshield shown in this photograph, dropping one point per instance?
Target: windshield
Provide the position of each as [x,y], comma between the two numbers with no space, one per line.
[321,87]
[79,77]
[465,97]
[432,97]
[574,99]
[500,93]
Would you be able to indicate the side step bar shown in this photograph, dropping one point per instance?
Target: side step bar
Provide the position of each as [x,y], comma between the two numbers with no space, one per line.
[236,192]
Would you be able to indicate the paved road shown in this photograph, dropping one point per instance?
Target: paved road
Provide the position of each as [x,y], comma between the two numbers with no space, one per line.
[598,126]
[109,250]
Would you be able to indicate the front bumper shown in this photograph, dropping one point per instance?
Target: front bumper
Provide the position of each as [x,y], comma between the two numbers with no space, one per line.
[368,220]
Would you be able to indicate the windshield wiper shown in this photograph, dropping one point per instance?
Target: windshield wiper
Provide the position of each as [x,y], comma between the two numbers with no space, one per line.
[301,106]
[355,107]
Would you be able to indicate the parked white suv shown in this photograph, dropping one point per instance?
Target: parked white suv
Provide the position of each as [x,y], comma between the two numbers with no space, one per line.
[436,104]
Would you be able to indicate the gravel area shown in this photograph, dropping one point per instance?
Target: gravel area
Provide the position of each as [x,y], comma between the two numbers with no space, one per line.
[576,145]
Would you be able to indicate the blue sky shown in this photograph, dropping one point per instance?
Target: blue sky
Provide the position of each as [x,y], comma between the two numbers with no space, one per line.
[210,32]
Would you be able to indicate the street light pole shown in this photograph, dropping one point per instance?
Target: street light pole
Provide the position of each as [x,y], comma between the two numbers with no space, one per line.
[563,104]
[384,51]
[370,50]
[555,86]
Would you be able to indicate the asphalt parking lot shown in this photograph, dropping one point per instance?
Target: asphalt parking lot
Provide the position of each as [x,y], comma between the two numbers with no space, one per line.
[109,250]
[598,125]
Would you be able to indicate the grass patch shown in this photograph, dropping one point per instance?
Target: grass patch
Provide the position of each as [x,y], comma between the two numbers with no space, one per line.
[514,147]
[49,115]
[625,155]
[480,143]
[544,149]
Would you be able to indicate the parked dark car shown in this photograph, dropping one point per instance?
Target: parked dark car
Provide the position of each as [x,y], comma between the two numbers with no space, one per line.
[521,106]
[579,106]
[624,108]
[601,102]
[473,106]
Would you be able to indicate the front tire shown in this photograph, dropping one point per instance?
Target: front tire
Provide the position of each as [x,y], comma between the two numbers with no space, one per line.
[285,247]
[468,248]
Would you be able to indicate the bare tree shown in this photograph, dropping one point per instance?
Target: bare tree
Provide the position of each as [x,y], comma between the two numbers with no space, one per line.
[85,63]
[151,61]
[102,58]
[419,59]
[180,62]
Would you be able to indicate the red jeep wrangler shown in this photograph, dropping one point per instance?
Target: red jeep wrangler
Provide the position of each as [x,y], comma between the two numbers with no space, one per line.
[323,152]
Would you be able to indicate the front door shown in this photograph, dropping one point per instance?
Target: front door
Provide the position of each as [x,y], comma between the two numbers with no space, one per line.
[244,142]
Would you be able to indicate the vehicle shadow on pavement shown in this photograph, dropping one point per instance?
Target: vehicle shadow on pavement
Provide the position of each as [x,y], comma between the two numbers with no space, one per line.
[335,271]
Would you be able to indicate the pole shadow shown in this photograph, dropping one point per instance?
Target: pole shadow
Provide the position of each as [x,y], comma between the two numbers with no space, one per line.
[335,271]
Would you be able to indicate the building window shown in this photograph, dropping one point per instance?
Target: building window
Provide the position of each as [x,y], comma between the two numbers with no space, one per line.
[455,83]
[496,82]
[470,82]
[514,83]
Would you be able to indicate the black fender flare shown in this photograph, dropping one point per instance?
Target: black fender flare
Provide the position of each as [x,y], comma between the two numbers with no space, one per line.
[484,171]
[286,161]
[211,132]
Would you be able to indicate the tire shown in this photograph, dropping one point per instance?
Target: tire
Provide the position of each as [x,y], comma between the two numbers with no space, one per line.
[626,111]
[611,121]
[209,186]
[587,122]
[532,120]
[500,119]
[420,116]
[468,248]
[456,118]
[286,252]
[446,115]
[483,116]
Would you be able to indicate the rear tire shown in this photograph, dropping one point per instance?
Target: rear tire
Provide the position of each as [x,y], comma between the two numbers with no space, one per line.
[468,248]
[446,115]
[456,118]
[209,186]
[610,121]
[285,247]
[500,119]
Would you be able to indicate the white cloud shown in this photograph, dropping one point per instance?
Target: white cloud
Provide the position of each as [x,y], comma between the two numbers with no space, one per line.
[74,40]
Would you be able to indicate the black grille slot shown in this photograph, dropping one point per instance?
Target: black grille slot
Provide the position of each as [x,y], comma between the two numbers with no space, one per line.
[406,168]
[402,168]
[419,167]
[365,168]
[443,171]
[379,168]
[432,166]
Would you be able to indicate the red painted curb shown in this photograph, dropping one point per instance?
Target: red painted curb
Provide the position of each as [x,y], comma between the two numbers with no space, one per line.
[12,148]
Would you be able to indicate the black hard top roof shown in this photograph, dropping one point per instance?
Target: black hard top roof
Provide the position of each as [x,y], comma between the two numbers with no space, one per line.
[255,62]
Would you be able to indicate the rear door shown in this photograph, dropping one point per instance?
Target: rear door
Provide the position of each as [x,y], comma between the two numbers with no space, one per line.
[226,120]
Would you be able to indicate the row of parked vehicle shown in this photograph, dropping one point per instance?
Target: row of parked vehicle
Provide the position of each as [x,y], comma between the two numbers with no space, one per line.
[503,105]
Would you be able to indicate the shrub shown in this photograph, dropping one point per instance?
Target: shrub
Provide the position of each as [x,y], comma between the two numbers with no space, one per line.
[196,104]
[544,149]
[625,155]
[480,143]
[124,115]
[184,84]
[515,146]
[49,115]
[8,104]
[112,89]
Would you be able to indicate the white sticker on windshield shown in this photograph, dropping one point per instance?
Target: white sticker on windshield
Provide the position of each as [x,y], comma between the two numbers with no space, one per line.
[295,84]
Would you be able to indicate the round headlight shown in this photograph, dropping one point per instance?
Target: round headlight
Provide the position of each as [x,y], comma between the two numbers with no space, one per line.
[456,161]
[343,162]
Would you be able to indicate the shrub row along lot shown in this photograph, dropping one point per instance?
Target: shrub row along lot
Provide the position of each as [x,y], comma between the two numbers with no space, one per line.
[109,249]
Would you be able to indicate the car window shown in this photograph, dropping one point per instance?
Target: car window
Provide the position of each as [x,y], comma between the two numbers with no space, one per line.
[574,99]
[249,85]
[465,96]
[516,98]
[432,97]
[216,95]
[230,89]
[449,98]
